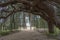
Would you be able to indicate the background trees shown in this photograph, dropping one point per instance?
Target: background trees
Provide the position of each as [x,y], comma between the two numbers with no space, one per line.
[45,9]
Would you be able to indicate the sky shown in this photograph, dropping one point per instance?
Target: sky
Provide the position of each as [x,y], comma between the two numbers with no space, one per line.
[1,20]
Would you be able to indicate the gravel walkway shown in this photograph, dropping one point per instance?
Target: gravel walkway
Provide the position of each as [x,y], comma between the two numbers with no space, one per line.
[26,35]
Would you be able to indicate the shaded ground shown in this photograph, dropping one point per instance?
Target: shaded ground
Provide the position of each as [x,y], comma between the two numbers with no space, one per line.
[27,35]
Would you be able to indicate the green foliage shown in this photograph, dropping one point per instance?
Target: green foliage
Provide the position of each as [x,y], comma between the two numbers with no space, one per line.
[56,32]
[41,23]
[3,33]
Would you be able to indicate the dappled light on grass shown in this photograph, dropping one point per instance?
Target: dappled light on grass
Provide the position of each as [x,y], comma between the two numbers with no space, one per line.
[27,29]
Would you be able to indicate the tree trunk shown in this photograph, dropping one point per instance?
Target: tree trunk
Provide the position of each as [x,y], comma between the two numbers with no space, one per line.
[30,20]
[24,22]
[50,27]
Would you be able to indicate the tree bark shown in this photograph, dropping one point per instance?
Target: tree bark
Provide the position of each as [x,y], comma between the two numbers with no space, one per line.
[24,22]
[50,27]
